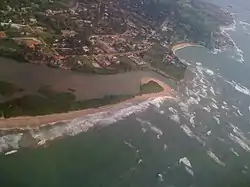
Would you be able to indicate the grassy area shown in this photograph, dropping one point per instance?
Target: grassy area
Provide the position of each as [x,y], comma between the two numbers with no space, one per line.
[10,49]
[9,44]
[150,87]
[8,89]
[156,55]
[126,64]
[49,101]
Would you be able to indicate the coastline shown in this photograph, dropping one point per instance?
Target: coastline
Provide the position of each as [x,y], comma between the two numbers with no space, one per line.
[179,46]
[32,122]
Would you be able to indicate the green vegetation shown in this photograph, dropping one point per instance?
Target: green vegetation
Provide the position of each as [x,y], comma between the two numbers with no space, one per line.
[126,64]
[190,20]
[155,54]
[150,87]
[156,57]
[8,89]
[10,49]
[49,101]
[48,37]
[198,21]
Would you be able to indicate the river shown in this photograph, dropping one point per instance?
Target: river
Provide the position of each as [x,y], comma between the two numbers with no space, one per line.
[201,139]
[31,77]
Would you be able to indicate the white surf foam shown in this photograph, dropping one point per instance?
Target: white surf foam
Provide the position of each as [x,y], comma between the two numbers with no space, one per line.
[143,122]
[216,119]
[190,171]
[207,108]
[187,130]
[239,52]
[187,164]
[239,133]
[151,127]
[245,26]
[216,51]
[82,124]
[225,108]
[231,27]
[160,177]
[234,152]
[212,104]
[157,102]
[192,101]
[239,137]
[175,117]
[244,23]
[215,158]
[185,108]
[209,72]
[130,145]
[240,142]
[10,152]
[185,161]
[156,130]
[212,90]
[191,119]
[209,133]
[139,161]
[171,109]
[239,112]
[10,141]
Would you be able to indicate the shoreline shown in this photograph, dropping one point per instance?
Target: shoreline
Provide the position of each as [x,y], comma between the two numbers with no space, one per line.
[32,122]
[178,46]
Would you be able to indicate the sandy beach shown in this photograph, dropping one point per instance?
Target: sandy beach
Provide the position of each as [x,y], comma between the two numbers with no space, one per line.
[28,122]
[179,46]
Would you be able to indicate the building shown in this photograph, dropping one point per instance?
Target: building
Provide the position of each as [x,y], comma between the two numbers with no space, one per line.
[29,42]
[2,34]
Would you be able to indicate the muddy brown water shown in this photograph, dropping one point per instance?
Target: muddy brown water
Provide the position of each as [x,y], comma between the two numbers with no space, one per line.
[31,77]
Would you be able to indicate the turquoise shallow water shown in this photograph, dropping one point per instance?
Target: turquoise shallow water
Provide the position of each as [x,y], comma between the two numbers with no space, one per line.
[202,139]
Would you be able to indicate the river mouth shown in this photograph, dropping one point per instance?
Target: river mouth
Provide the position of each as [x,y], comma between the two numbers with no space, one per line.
[31,77]
[23,79]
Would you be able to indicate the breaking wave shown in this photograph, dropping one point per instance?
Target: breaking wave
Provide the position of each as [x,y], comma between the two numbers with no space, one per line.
[175,117]
[148,125]
[234,152]
[82,124]
[187,164]
[239,141]
[245,26]
[215,158]
[10,141]
[239,53]
[185,161]
[239,87]
[187,130]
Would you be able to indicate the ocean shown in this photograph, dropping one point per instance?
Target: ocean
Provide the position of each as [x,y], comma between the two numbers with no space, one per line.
[200,139]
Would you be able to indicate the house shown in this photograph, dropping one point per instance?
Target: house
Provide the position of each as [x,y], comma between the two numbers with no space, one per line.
[68,33]
[29,42]
[2,34]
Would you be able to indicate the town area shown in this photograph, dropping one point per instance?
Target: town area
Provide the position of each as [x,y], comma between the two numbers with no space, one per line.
[98,36]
